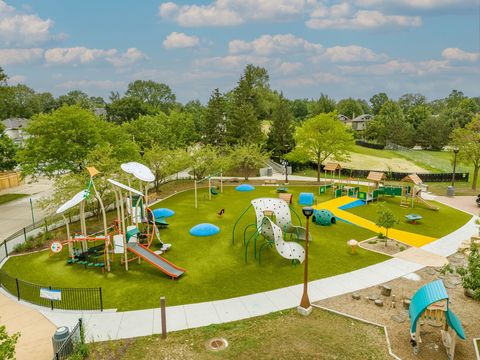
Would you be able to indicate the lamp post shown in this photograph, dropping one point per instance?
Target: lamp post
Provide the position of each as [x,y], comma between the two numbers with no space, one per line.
[452,188]
[305,308]
[285,164]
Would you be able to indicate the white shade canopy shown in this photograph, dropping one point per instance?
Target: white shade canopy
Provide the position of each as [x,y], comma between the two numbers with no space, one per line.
[138,170]
[124,187]
[77,199]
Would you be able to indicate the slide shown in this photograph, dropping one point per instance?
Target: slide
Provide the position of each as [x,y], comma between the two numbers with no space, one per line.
[427,204]
[159,262]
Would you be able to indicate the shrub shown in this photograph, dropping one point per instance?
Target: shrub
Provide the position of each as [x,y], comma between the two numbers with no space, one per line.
[471,273]
[402,248]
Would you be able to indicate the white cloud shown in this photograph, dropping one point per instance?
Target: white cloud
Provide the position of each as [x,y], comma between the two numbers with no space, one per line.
[19,56]
[362,19]
[231,62]
[232,12]
[82,55]
[416,4]
[77,54]
[276,44]
[180,40]
[130,57]
[89,84]
[17,28]
[17,79]
[399,67]
[457,54]
[352,53]
[286,68]
[312,80]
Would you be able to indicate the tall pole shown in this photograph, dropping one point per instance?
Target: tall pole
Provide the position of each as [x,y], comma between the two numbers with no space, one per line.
[196,201]
[31,209]
[305,307]
[455,152]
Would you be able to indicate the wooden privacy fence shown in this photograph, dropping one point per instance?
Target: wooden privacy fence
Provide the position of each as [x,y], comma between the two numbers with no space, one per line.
[10,179]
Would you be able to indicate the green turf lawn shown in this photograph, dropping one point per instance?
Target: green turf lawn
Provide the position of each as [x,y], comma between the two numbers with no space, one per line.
[434,223]
[215,268]
[10,197]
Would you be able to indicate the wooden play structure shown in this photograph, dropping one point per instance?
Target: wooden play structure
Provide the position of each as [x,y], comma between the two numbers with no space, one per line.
[331,168]
[430,305]
[412,192]
[378,178]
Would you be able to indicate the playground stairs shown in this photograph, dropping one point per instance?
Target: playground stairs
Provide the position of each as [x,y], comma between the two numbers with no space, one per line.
[404,202]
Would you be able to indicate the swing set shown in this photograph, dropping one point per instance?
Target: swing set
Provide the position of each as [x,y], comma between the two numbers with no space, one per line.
[211,189]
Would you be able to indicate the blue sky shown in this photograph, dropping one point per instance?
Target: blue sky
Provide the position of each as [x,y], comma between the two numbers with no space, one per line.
[343,48]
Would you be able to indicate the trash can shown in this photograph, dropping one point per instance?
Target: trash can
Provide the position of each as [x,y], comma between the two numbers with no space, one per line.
[451,191]
[60,336]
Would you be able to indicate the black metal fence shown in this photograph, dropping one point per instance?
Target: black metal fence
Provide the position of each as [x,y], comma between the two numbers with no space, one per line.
[53,297]
[391,175]
[369,145]
[68,346]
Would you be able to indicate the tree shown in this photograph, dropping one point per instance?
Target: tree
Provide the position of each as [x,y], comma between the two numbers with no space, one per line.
[3,77]
[390,126]
[468,142]
[349,107]
[385,219]
[156,96]
[7,342]
[247,158]
[407,101]
[59,142]
[280,138]
[377,102]
[18,101]
[197,110]
[417,114]
[320,138]
[207,160]
[324,104]
[216,120]
[7,151]
[470,274]
[165,162]
[433,133]
[125,109]
[299,108]
[461,114]
[77,97]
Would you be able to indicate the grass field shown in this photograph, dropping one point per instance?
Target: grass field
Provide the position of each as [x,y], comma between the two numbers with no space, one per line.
[283,335]
[10,197]
[215,268]
[434,223]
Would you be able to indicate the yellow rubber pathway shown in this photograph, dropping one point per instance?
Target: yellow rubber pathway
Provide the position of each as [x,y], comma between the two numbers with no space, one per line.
[405,237]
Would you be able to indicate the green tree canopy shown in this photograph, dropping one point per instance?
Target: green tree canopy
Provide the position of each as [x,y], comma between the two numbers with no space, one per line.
[349,107]
[324,104]
[7,151]
[216,120]
[385,219]
[280,137]
[248,158]
[156,96]
[165,162]
[377,102]
[125,109]
[433,133]
[320,138]
[468,142]
[7,342]
[59,142]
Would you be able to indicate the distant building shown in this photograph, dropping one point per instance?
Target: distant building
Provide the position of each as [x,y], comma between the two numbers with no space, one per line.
[14,129]
[358,123]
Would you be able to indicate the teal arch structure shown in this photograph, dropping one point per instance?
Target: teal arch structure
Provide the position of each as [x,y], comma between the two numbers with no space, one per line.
[423,298]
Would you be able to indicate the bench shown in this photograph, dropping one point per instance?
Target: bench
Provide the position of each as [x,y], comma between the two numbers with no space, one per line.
[288,198]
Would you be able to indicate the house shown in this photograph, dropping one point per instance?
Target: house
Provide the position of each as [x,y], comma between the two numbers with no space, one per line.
[358,123]
[14,129]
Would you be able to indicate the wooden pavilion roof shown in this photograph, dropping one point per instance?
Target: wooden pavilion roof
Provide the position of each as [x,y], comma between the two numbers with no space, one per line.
[376,176]
[412,178]
[332,167]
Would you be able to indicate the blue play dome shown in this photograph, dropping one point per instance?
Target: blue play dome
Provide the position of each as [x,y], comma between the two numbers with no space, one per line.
[245,187]
[204,230]
[163,213]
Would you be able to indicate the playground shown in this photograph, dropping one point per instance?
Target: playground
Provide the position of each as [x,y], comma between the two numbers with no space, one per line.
[214,266]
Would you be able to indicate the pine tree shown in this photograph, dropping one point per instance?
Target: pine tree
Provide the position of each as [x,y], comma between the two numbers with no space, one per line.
[280,138]
[243,125]
[215,120]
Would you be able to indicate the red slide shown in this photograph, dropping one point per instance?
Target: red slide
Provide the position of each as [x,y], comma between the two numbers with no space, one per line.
[156,260]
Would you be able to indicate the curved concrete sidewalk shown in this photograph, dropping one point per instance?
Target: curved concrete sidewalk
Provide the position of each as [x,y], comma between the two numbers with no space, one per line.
[119,325]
